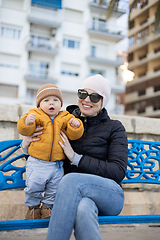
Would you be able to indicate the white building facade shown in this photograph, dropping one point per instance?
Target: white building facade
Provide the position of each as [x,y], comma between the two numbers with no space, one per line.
[60,42]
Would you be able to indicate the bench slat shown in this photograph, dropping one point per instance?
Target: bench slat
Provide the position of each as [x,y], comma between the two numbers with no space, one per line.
[43,223]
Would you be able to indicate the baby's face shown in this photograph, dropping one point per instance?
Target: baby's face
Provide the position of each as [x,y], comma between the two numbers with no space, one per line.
[51,105]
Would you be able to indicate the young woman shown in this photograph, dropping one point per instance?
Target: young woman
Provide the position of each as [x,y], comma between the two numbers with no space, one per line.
[95,166]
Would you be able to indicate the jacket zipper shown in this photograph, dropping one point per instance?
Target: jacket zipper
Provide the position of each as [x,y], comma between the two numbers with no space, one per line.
[52,140]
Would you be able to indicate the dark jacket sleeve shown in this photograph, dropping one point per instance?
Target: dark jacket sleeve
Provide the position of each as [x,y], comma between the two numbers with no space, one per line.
[115,165]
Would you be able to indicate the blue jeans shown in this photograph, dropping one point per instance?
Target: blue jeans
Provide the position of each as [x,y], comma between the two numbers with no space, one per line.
[79,200]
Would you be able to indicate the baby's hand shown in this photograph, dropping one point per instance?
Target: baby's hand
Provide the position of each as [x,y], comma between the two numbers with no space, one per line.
[74,123]
[30,118]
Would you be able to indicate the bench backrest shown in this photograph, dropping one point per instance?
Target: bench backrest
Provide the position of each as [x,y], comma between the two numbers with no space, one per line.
[143,163]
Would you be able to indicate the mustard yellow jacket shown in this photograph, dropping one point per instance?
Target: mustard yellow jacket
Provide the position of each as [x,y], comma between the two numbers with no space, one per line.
[48,148]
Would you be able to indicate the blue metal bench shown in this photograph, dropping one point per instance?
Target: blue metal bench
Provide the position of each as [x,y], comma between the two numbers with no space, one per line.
[143,167]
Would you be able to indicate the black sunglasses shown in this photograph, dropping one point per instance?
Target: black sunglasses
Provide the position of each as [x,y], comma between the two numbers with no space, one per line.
[94,97]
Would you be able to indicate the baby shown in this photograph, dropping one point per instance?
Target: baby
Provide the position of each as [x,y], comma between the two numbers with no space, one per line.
[44,168]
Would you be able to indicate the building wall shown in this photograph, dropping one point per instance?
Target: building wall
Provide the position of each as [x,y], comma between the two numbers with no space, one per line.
[36,47]
[39,51]
[143,93]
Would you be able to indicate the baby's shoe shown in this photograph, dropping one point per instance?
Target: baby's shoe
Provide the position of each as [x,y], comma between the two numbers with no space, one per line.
[45,212]
[33,213]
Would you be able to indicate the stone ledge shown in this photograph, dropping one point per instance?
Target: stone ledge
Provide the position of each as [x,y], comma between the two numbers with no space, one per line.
[133,124]
[12,205]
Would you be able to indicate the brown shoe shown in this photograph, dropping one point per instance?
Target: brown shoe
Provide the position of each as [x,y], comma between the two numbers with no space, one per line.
[45,212]
[33,213]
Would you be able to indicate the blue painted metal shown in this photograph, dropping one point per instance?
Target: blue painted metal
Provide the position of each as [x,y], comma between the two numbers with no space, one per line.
[143,162]
[143,167]
[43,223]
[49,3]
[14,179]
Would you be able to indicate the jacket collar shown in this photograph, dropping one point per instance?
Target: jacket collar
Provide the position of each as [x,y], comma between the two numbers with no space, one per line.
[103,115]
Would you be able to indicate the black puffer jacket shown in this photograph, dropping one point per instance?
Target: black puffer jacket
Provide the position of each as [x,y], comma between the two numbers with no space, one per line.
[103,145]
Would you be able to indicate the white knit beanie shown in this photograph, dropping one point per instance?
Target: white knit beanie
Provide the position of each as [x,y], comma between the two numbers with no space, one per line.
[100,85]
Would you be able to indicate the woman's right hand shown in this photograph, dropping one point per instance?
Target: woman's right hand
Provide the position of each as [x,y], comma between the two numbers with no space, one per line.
[28,139]
[66,146]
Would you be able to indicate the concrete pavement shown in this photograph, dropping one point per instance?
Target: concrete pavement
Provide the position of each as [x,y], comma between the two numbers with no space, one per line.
[109,232]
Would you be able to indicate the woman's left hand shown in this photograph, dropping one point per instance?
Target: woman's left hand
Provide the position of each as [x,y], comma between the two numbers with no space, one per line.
[66,146]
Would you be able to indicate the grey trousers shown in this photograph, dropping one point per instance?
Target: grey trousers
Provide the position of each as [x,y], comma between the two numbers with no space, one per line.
[43,178]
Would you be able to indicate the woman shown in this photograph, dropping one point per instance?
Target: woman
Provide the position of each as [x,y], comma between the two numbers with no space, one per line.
[95,167]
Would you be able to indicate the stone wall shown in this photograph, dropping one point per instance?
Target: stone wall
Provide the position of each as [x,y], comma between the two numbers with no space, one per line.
[136,127]
[139,198]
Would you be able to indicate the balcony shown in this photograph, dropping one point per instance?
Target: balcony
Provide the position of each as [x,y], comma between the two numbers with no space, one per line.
[43,46]
[103,61]
[101,9]
[100,30]
[45,17]
[144,42]
[149,75]
[37,74]
[143,60]
[140,9]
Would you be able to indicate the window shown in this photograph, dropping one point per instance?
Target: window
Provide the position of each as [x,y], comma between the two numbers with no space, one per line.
[131,41]
[141,36]
[142,92]
[144,3]
[70,69]
[93,51]
[9,61]
[70,73]
[71,43]
[131,24]
[156,69]
[8,91]
[8,65]
[130,57]
[157,88]
[101,25]
[9,32]
[94,72]
[98,24]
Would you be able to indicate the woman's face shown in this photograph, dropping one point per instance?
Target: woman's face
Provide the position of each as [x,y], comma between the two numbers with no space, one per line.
[87,107]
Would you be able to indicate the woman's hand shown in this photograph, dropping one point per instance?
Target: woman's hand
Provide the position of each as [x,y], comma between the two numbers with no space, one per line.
[68,150]
[27,140]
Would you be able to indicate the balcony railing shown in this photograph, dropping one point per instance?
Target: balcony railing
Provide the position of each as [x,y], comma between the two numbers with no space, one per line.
[38,72]
[122,8]
[104,28]
[157,69]
[42,45]
[144,21]
[144,3]
[156,49]
[142,56]
[142,74]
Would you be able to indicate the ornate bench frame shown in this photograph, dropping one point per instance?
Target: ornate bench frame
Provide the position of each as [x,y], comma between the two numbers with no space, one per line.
[143,167]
